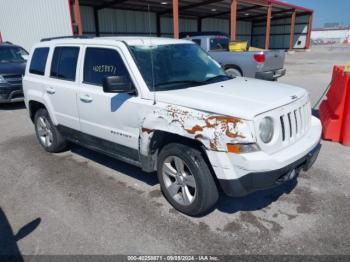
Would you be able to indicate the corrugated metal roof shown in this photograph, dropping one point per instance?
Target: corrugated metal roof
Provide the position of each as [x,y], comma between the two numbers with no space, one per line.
[247,9]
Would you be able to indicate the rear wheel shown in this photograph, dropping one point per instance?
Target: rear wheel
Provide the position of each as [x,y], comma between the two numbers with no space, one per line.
[186,180]
[233,72]
[48,135]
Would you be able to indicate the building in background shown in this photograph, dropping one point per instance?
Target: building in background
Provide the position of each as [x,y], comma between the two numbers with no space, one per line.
[263,23]
[331,35]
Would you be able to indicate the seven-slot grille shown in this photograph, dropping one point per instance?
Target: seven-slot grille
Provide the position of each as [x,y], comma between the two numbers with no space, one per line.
[295,122]
[13,79]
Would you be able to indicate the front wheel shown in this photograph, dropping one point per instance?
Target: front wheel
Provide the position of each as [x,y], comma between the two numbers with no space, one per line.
[186,180]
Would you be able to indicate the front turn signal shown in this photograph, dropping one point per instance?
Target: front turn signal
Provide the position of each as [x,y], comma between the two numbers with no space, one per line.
[242,148]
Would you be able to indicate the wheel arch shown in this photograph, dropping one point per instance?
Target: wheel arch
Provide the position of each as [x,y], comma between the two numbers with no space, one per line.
[160,138]
[34,105]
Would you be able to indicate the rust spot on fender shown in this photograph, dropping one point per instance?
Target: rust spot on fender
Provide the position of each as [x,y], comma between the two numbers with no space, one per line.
[213,146]
[214,131]
[224,121]
[193,130]
[221,119]
[214,122]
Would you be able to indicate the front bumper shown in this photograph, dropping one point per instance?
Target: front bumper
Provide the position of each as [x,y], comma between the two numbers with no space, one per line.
[270,75]
[240,174]
[11,94]
[264,180]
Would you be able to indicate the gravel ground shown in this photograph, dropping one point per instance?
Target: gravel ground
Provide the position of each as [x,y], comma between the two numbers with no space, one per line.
[81,202]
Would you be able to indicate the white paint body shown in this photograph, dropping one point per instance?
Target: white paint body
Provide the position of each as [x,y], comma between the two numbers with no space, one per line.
[121,118]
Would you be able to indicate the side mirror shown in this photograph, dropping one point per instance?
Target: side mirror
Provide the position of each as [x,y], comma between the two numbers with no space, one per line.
[117,84]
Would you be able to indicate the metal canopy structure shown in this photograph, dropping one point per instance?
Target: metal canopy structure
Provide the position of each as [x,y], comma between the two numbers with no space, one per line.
[255,11]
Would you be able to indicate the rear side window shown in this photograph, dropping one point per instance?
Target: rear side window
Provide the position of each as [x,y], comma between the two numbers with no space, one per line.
[101,62]
[38,62]
[219,44]
[64,63]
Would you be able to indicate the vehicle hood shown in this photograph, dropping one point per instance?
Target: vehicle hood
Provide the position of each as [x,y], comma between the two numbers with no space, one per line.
[240,97]
[12,68]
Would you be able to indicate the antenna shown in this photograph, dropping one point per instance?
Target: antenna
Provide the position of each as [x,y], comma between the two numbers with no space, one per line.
[151,54]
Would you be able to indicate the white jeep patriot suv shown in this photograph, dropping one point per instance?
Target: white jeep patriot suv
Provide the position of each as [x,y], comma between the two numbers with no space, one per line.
[165,105]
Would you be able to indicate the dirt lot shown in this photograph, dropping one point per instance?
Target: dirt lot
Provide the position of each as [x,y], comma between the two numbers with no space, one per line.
[80,202]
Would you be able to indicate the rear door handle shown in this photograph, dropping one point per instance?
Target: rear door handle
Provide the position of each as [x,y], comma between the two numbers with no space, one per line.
[86,99]
[50,90]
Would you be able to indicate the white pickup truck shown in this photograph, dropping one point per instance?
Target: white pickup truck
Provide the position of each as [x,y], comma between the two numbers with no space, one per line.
[165,105]
[264,64]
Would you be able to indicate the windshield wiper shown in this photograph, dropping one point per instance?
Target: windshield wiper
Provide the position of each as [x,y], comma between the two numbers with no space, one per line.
[177,82]
[216,78]
[192,82]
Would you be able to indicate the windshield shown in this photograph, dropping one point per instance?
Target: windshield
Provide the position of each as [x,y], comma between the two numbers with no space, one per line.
[219,44]
[10,54]
[176,66]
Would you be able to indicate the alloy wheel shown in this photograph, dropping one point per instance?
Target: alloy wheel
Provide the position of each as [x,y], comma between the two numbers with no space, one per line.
[44,131]
[179,181]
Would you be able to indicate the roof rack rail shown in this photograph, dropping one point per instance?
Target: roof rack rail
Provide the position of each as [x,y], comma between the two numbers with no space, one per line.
[67,37]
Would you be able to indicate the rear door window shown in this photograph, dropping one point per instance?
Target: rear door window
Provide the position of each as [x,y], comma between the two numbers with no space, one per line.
[38,62]
[102,62]
[64,63]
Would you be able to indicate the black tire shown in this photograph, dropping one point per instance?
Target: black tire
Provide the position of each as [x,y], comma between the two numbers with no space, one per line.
[206,193]
[58,142]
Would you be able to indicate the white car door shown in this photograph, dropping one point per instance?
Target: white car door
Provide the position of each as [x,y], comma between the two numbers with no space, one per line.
[62,85]
[108,117]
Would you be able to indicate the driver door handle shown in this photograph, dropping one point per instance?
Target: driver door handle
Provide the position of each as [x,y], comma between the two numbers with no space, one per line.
[86,99]
[50,91]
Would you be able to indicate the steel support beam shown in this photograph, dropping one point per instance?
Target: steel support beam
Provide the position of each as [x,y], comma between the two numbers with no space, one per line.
[268,27]
[159,31]
[292,30]
[199,24]
[77,17]
[309,29]
[233,20]
[97,23]
[176,19]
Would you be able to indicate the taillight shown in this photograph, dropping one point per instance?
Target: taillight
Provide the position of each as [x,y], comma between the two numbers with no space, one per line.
[260,58]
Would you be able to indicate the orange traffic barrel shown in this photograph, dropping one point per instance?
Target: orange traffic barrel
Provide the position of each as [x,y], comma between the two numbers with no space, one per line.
[335,110]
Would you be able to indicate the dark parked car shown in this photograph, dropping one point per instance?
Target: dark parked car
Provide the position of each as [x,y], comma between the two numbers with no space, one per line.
[12,65]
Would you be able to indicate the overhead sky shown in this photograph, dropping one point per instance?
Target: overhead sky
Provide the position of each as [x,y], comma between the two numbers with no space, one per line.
[327,11]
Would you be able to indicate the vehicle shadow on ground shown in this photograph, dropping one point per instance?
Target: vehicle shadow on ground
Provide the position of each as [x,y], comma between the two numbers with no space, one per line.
[255,201]
[13,106]
[9,250]
[119,166]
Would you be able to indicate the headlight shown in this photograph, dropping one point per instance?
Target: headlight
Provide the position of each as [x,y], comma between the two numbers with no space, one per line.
[266,129]
[2,80]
